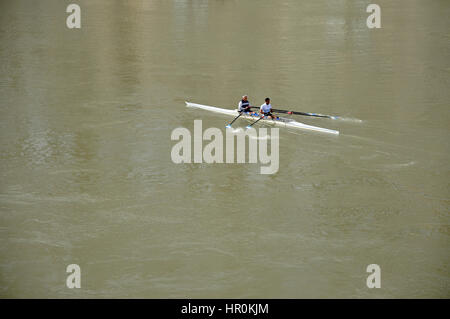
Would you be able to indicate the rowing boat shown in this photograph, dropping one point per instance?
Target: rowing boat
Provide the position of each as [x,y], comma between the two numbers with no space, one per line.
[283,122]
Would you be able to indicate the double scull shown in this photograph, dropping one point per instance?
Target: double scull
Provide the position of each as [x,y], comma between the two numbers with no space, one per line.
[283,122]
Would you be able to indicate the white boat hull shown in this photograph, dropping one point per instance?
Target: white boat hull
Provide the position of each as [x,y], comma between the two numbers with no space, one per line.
[283,122]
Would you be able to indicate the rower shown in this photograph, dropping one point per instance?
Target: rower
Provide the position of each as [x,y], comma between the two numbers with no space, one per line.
[266,109]
[244,105]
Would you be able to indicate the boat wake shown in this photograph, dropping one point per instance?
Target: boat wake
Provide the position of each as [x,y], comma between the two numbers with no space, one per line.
[349,119]
[241,130]
[236,130]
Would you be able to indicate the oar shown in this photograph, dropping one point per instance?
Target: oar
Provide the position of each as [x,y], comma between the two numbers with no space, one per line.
[306,114]
[229,125]
[249,126]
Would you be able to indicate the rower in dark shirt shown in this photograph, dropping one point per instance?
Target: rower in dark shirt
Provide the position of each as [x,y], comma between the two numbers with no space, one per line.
[244,105]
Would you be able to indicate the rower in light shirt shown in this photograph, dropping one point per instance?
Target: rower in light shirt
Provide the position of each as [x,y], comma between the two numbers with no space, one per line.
[266,109]
[244,105]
